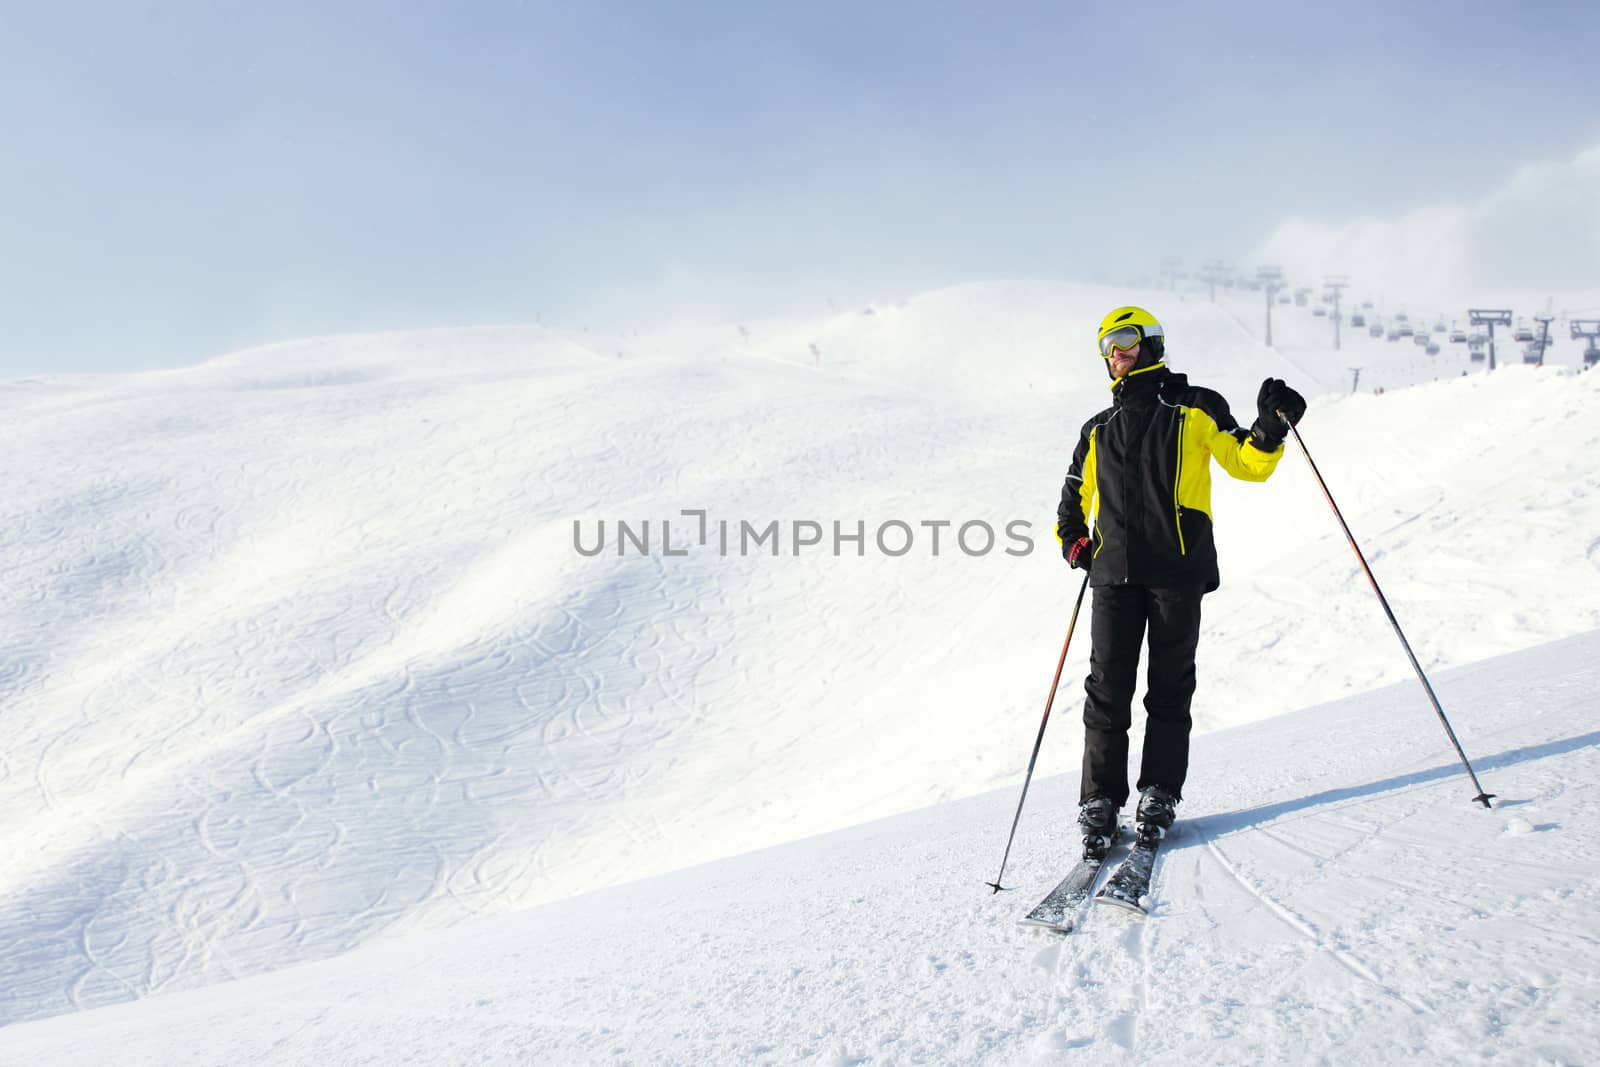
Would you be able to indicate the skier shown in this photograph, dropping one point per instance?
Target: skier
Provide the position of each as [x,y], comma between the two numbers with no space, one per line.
[1136,515]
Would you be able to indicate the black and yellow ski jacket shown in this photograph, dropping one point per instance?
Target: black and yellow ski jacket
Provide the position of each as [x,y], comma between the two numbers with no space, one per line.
[1140,482]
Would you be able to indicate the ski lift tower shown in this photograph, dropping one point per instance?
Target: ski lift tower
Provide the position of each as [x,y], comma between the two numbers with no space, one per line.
[1171,268]
[1491,319]
[1333,285]
[1212,273]
[1588,330]
[1271,279]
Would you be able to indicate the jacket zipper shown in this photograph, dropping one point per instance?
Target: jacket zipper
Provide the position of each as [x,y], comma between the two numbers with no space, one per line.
[1177,508]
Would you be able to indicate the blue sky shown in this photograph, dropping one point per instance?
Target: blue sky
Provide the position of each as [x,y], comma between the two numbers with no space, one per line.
[182,179]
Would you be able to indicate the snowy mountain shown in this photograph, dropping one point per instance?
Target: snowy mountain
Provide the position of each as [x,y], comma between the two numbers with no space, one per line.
[304,653]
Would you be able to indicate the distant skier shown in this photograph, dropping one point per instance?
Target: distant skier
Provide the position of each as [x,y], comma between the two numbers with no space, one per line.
[1136,515]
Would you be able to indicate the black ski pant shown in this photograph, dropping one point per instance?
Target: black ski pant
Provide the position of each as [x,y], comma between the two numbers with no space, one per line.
[1120,617]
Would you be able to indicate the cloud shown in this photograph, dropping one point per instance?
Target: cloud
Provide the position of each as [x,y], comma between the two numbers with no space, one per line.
[1540,232]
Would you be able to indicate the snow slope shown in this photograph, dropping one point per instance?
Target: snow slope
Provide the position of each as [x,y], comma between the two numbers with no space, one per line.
[1330,895]
[300,652]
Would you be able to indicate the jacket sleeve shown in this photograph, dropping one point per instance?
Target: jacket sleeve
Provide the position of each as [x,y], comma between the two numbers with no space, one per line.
[1233,447]
[1078,491]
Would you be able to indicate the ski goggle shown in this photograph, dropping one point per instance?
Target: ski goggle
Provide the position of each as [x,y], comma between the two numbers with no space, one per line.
[1123,338]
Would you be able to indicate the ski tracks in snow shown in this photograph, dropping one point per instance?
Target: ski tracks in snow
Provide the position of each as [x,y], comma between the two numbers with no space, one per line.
[354,683]
[1308,930]
[1124,970]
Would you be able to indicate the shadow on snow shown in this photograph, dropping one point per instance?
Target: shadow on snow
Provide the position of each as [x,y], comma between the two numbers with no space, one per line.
[1228,822]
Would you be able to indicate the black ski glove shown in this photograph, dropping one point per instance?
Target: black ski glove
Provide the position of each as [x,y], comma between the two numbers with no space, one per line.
[1269,429]
[1078,554]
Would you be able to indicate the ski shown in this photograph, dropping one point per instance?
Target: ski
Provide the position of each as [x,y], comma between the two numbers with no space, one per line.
[1059,910]
[1129,884]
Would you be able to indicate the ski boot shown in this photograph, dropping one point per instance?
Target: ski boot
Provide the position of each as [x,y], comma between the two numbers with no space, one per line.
[1157,809]
[1097,818]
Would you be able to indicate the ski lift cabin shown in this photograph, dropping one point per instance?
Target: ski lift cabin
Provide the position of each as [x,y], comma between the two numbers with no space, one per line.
[1358,320]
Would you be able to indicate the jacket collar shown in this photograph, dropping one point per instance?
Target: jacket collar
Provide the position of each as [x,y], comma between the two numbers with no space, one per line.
[1139,383]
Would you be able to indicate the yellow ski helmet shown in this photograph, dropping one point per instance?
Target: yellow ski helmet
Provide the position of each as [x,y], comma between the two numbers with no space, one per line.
[1126,327]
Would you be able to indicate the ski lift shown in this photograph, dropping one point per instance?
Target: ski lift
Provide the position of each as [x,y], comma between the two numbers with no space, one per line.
[1400,316]
[1458,337]
[1523,334]
[1320,312]
[1376,329]
[1394,334]
[1358,320]
[1440,327]
[1284,299]
[1421,339]
[1433,348]
[1404,328]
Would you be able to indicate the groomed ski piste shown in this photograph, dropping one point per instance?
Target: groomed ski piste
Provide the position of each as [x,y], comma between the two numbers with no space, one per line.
[323,743]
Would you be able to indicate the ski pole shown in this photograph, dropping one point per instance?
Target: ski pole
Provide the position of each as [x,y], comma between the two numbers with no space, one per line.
[1482,797]
[995,885]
